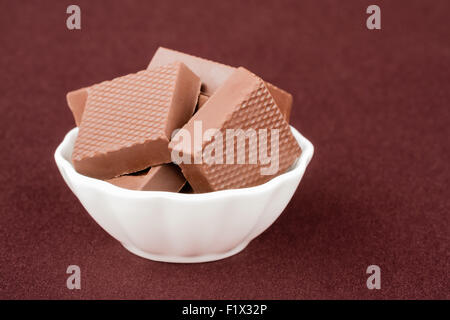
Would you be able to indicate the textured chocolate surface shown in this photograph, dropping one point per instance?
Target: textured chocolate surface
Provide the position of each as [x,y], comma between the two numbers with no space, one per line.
[127,122]
[243,102]
[165,177]
[278,95]
[214,74]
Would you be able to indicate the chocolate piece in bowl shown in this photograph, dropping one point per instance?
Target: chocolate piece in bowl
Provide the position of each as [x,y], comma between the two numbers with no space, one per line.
[213,75]
[127,122]
[243,105]
[165,177]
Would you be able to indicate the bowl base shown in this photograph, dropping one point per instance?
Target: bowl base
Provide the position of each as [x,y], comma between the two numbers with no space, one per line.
[181,259]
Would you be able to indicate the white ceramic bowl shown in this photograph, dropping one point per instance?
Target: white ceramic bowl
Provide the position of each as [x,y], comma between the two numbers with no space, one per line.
[175,227]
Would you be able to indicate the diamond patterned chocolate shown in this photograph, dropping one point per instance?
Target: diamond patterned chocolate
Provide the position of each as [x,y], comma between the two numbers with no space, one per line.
[127,122]
[243,102]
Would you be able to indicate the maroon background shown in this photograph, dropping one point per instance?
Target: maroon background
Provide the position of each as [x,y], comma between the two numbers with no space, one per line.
[374,103]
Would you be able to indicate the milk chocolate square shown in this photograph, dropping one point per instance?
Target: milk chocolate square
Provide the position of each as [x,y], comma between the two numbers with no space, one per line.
[127,122]
[242,105]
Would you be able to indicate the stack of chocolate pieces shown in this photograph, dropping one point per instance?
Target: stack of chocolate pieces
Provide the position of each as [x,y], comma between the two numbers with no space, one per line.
[157,128]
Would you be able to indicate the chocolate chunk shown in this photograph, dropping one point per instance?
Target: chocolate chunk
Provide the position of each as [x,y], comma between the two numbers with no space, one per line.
[165,177]
[127,122]
[242,102]
[214,74]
